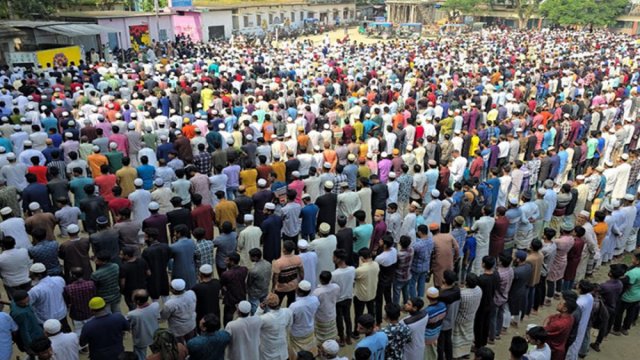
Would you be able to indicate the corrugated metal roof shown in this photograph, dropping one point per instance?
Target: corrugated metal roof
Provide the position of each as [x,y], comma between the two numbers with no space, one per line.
[62,28]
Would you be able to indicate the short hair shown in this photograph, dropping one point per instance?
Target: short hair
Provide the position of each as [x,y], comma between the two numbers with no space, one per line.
[538,333]
[488,262]
[234,258]
[129,251]
[367,321]
[518,346]
[484,353]
[362,353]
[40,344]
[182,230]
[289,246]
[450,277]
[392,310]
[255,253]
[471,281]
[341,255]
[417,302]
[536,244]
[364,253]
[505,260]
[211,322]
[325,277]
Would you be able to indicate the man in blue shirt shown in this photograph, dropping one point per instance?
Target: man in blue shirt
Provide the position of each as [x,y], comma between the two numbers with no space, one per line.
[422,249]
[211,343]
[375,341]
[309,215]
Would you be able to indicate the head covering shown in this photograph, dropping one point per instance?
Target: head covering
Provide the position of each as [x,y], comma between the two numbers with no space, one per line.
[379,212]
[5,210]
[434,226]
[433,293]
[392,175]
[33,206]
[206,269]
[331,347]
[585,213]
[244,307]
[97,303]
[270,206]
[102,220]
[52,326]
[138,182]
[459,220]
[73,229]
[435,193]
[153,206]
[248,217]
[304,285]
[38,268]
[521,255]
[262,183]
[303,244]
[324,228]
[328,184]
[178,284]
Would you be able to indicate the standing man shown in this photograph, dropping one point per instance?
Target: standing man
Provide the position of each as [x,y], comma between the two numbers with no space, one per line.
[143,321]
[446,252]
[180,311]
[104,332]
[245,334]
[304,309]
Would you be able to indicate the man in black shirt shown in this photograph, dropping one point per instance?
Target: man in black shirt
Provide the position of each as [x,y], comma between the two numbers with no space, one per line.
[207,292]
[157,256]
[133,275]
[489,282]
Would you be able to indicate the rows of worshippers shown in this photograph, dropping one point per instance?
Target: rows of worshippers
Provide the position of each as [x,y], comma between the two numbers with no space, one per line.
[331,184]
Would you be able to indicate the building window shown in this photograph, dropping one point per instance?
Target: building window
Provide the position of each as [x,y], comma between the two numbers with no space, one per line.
[293,16]
[258,20]
[301,15]
[270,19]
[163,34]
[245,21]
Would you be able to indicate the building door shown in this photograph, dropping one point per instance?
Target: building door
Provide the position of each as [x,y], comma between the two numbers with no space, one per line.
[216,32]
[113,40]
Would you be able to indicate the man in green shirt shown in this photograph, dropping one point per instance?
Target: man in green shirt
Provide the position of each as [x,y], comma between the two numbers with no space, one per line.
[28,327]
[629,300]
[362,232]
[107,277]
[115,158]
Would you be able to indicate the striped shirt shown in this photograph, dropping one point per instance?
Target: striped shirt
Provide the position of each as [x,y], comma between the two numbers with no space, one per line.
[106,278]
[437,312]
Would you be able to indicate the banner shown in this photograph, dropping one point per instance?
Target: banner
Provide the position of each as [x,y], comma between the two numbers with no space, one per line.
[181,3]
[59,57]
[139,35]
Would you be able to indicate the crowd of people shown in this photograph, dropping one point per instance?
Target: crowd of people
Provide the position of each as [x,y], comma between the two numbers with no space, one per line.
[451,188]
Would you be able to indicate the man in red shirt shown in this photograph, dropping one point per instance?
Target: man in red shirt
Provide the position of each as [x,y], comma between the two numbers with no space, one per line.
[202,215]
[118,202]
[105,183]
[558,327]
[39,171]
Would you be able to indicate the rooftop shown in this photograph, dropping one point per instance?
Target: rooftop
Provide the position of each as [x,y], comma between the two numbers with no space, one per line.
[98,14]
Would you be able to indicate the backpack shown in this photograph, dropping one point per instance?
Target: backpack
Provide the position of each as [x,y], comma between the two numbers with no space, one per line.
[454,210]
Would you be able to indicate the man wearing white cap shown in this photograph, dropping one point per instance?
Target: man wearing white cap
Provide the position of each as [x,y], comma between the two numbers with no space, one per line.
[245,334]
[64,345]
[248,239]
[140,200]
[324,246]
[180,311]
[622,178]
[14,173]
[301,336]
[14,226]
[348,203]
[162,195]
[46,296]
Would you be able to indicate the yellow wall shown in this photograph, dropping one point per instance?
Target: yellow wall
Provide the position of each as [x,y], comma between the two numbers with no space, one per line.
[59,56]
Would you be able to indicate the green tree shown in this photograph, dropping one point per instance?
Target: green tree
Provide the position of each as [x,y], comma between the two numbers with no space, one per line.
[148,5]
[32,9]
[583,12]
[455,8]
[525,9]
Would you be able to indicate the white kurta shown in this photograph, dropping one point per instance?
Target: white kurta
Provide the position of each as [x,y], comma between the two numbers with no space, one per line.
[348,203]
[245,335]
[248,239]
[273,334]
[140,200]
[621,182]
[365,200]
[324,248]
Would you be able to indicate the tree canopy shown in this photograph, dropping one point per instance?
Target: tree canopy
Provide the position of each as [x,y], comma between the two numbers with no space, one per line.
[583,12]
[32,9]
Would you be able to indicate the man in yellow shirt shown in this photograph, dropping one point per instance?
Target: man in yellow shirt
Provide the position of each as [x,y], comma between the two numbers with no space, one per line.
[126,176]
[206,96]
